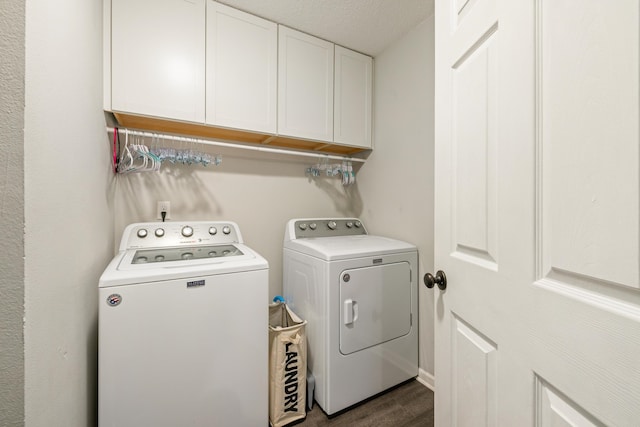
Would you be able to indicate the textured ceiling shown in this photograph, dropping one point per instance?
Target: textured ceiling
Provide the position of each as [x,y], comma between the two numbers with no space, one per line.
[367,26]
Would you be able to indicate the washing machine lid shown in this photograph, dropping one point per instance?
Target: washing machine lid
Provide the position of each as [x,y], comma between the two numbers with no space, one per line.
[128,268]
[348,247]
[177,256]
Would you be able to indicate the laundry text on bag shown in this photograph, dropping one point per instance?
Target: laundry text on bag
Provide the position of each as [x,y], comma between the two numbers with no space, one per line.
[291,380]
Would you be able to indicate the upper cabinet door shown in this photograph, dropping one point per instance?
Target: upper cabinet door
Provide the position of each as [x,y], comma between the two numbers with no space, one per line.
[158,58]
[352,104]
[242,61]
[305,86]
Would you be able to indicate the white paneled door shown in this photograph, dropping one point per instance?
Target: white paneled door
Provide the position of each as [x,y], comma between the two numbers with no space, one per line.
[537,213]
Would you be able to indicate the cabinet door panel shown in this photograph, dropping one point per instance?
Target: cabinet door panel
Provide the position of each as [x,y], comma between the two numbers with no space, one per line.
[157,58]
[305,86]
[242,55]
[352,106]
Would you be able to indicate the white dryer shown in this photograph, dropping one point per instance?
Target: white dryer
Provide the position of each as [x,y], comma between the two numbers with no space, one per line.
[183,338]
[359,294]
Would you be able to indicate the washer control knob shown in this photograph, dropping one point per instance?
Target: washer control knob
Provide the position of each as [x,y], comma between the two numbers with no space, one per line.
[358,224]
[332,225]
[159,232]
[187,231]
[302,226]
[142,233]
[349,224]
[313,226]
[226,229]
[213,231]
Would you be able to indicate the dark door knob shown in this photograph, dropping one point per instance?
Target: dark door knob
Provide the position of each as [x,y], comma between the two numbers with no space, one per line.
[440,279]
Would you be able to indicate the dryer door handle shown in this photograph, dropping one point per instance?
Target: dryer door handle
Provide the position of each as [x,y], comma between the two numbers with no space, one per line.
[350,311]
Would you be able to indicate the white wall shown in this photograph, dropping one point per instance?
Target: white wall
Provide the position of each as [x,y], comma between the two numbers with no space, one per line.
[12,22]
[68,216]
[260,192]
[396,183]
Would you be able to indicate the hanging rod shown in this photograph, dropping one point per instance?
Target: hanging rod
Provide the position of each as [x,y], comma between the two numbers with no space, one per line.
[231,145]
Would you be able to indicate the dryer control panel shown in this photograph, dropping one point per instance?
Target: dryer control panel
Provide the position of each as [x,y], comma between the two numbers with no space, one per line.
[324,227]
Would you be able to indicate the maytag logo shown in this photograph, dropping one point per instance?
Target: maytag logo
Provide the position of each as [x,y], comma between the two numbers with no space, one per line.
[195,283]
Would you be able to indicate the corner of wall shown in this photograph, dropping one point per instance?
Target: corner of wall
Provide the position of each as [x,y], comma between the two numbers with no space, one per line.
[68,210]
[397,182]
[12,96]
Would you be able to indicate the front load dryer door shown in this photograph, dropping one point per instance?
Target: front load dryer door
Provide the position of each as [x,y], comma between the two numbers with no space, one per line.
[375,305]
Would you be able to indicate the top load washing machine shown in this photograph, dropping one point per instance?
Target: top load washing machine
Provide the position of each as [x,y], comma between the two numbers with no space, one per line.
[359,294]
[183,338]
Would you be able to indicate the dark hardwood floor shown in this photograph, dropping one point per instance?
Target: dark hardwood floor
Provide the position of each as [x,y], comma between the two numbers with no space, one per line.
[408,405]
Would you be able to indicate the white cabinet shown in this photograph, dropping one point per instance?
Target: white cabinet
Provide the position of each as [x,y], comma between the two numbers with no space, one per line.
[305,86]
[199,67]
[158,58]
[241,76]
[317,101]
[352,99]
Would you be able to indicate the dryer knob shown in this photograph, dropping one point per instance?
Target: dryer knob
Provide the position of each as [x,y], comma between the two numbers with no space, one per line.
[213,231]
[142,233]
[302,226]
[349,224]
[312,226]
[357,224]
[332,225]
[159,232]
[187,231]
[226,229]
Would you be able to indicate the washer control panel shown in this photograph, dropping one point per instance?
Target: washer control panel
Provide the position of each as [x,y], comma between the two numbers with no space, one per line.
[167,234]
[325,227]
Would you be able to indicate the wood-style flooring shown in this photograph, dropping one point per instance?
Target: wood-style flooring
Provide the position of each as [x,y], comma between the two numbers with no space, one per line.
[408,405]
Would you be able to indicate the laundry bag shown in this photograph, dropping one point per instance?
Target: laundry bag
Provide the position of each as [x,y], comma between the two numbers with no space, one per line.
[287,365]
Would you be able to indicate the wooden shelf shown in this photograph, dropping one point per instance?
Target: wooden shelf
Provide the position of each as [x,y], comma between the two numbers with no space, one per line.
[152,124]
